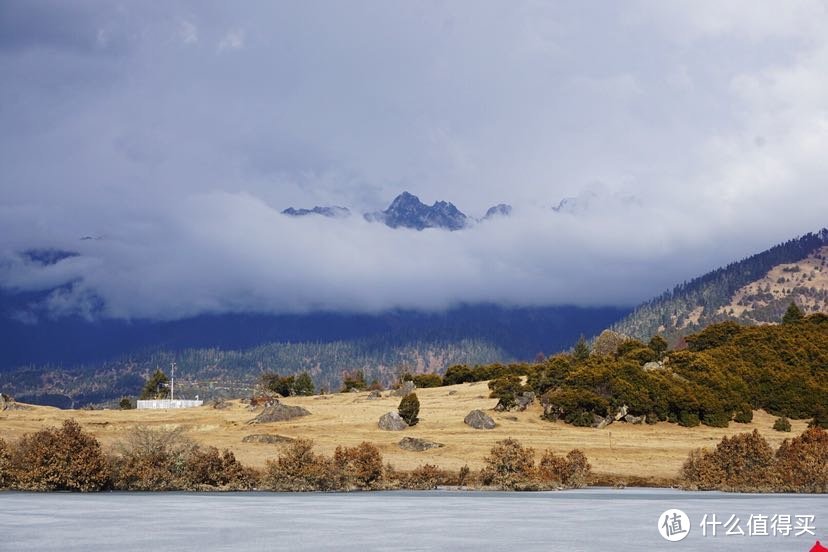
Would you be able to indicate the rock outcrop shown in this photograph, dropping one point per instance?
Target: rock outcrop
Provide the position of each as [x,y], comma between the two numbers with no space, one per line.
[524,400]
[630,419]
[479,420]
[392,421]
[8,403]
[267,439]
[418,445]
[278,412]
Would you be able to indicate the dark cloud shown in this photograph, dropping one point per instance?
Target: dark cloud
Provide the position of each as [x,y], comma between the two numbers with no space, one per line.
[178,131]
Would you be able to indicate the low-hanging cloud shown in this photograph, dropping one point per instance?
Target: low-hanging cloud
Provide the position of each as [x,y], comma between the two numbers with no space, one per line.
[174,135]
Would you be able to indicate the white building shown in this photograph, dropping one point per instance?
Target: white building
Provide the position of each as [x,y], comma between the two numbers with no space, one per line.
[168,403]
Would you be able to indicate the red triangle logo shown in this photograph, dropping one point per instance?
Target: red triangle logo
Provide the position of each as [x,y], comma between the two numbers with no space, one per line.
[819,548]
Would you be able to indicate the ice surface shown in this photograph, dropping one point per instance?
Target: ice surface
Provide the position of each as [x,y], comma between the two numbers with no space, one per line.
[588,520]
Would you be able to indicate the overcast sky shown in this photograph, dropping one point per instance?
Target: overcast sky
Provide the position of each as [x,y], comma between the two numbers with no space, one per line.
[691,133]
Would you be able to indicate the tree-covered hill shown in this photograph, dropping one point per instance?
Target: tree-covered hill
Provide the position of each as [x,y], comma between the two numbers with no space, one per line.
[754,290]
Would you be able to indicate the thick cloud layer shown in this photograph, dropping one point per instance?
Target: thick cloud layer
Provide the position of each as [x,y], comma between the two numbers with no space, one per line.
[689,134]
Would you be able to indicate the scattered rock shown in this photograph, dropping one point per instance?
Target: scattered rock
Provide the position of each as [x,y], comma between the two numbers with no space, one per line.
[524,400]
[510,418]
[267,439]
[278,412]
[621,413]
[453,392]
[375,394]
[600,423]
[219,403]
[479,420]
[652,366]
[392,421]
[629,418]
[418,445]
[406,388]
[353,390]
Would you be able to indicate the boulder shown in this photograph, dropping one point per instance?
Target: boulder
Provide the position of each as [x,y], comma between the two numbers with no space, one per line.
[406,388]
[418,445]
[479,420]
[524,400]
[267,439]
[375,394]
[278,412]
[220,404]
[652,366]
[629,418]
[621,413]
[392,421]
[600,423]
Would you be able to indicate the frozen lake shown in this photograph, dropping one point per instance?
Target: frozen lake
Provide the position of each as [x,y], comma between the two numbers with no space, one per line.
[585,520]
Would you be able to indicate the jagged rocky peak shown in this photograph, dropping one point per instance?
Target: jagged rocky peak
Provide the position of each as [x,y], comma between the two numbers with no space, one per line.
[499,210]
[407,211]
[334,211]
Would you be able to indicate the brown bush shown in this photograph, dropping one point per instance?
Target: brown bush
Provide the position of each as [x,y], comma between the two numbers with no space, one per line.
[207,468]
[300,469]
[359,467]
[571,471]
[464,476]
[152,460]
[64,459]
[802,462]
[743,462]
[425,477]
[509,465]
[5,465]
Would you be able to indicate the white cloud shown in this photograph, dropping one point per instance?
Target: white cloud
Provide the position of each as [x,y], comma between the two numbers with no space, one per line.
[187,32]
[673,124]
[233,40]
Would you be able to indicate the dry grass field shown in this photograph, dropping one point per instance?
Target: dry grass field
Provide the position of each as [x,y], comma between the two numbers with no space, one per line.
[620,450]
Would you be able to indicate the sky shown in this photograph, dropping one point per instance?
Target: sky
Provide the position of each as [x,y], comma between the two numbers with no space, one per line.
[687,134]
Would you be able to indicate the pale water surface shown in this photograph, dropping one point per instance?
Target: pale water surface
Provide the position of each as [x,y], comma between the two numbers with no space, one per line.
[571,521]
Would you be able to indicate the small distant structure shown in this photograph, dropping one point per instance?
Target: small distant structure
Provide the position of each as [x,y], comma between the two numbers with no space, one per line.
[160,404]
[168,403]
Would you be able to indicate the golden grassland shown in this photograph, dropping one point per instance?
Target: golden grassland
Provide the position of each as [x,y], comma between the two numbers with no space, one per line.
[620,450]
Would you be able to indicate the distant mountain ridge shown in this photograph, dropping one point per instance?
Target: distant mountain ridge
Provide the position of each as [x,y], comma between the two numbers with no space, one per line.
[334,211]
[407,211]
[74,361]
[755,290]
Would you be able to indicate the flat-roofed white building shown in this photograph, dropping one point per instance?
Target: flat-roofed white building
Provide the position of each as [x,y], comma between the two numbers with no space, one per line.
[159,404]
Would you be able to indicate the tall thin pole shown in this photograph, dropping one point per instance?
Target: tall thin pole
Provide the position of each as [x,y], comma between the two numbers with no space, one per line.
[172,384]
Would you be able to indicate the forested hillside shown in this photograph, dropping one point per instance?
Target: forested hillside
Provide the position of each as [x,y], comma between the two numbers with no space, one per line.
[749,291]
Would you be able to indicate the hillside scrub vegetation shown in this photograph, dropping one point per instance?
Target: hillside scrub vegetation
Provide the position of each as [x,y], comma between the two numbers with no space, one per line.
[746,463]
[726,373]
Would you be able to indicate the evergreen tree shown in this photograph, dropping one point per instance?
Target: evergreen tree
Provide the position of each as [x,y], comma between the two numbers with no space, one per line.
[156,386]
[659,345]
[409,409]
[792,315]
[303,385]
[581,350]
[125,404]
